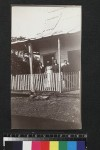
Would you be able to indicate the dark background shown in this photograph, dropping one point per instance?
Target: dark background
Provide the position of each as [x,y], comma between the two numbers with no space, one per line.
[90,66]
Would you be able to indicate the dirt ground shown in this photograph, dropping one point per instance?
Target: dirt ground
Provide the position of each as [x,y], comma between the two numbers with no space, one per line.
[56,112]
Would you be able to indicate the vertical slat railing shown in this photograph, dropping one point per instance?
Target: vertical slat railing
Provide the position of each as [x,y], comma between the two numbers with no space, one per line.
[44,82]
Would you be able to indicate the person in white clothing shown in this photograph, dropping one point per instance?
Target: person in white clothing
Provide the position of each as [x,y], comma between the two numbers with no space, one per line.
[48,71]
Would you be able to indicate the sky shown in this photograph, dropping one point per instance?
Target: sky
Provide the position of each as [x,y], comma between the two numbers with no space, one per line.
[27,21]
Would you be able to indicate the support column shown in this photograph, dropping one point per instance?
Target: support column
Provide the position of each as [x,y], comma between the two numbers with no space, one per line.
[31,65]
[79,80]
[59,59]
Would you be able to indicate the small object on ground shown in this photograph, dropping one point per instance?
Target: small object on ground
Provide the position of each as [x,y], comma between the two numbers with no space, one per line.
[33,95]
[41,97]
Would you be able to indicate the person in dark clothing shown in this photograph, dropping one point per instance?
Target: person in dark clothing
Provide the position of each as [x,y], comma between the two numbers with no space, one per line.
[66,67]
[55,66]
[35,66]
[41,68]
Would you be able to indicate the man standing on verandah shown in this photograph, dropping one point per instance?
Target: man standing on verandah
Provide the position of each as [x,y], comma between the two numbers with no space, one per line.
[66,67]
[55,66]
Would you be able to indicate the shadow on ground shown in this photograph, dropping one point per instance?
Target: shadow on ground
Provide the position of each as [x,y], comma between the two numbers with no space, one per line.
[24,122]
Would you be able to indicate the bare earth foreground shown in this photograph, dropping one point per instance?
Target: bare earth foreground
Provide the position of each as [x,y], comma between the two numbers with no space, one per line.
[57,112]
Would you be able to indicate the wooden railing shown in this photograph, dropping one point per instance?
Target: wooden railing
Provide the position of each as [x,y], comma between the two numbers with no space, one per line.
[46,82]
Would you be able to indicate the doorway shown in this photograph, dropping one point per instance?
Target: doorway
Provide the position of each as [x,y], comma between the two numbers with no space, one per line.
[48,57]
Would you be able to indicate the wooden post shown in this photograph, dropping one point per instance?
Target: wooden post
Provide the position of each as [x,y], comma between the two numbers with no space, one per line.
[31,65]
[79,80]
[59,59]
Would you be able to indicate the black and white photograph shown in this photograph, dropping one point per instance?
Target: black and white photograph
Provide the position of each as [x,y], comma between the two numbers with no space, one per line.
[46,67]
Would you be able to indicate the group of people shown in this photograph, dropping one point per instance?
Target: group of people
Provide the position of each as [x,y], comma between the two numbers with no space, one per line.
[49,69]
[54,67]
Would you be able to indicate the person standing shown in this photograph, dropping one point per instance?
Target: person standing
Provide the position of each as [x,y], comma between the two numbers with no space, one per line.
[65,68]
[55,67]
[48,71]
[41,68]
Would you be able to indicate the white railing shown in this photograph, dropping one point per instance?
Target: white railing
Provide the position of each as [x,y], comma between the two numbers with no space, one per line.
[46,82]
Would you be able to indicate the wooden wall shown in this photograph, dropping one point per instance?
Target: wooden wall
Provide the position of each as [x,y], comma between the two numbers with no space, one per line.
[68,43]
